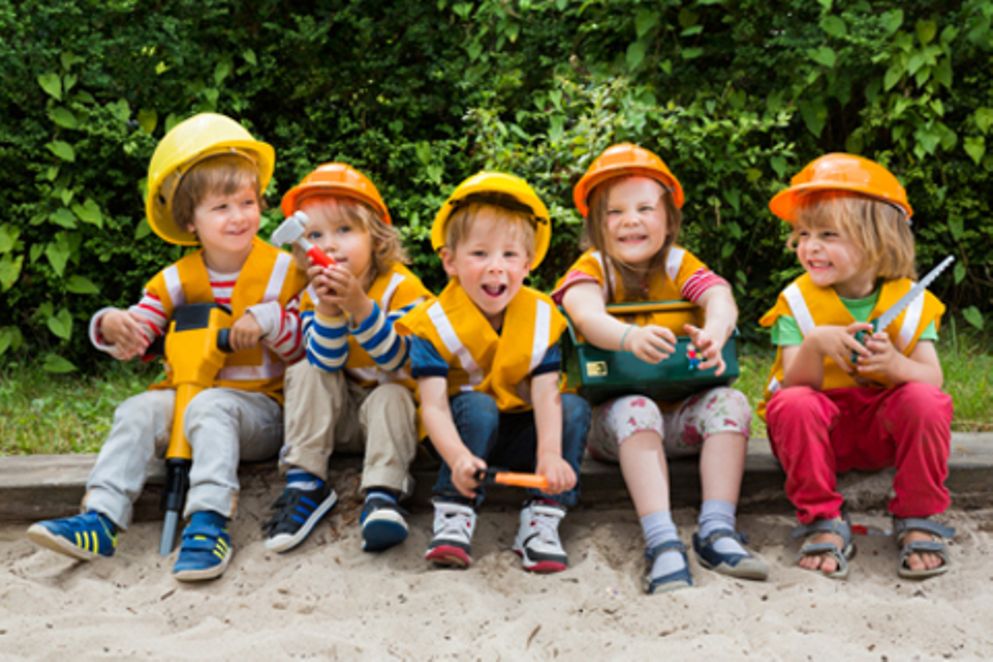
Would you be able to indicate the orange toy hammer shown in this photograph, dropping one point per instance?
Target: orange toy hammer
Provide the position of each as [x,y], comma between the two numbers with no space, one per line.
[489,476]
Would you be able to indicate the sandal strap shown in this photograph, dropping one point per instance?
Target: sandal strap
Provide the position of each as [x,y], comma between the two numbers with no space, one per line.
[677,545]
[903,525]
[724,533]
[842,528]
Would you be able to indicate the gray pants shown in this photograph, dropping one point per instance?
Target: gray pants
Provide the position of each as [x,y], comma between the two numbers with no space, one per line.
[223,426]
[327,411]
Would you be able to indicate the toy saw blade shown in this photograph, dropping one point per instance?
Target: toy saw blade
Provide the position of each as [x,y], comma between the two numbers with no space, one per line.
[894,311]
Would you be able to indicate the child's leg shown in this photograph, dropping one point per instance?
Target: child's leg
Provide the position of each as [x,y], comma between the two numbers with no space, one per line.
[799,420]
[315,401]
[917,418]
[630,429]
[477,419]
[141,428]
[224,426]
[389,419]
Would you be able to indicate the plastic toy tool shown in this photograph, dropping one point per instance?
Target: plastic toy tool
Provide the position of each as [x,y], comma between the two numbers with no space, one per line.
[894,311]
[490,476]
[195,345]
[291,231]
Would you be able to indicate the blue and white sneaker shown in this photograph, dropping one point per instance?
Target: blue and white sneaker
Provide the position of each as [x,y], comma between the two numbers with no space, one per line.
[85,537]
[295,514]
[205,549]
[383,525]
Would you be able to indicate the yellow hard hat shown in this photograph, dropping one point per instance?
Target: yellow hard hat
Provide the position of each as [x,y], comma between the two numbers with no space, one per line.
[330,179]
[840,172]
[625,160]
[497,182]
[188,143]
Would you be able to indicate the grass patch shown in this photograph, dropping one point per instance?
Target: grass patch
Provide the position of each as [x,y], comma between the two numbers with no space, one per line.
[43,413]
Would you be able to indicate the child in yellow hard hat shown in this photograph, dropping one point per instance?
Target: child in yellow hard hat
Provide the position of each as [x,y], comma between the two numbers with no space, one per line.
[631,203]
[486,358]
[354,390]
[834,403]
[205,183]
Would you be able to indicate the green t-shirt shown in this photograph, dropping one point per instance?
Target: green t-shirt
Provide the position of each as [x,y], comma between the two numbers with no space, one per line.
[786,331]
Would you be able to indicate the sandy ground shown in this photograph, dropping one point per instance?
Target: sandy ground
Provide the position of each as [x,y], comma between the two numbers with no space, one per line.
[328,600]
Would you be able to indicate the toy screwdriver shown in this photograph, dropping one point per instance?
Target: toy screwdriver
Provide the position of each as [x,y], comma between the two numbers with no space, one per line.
[894,311]
[490,476]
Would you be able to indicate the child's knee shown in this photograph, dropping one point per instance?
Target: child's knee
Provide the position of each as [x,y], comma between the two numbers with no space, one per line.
[922,403]
[793,401]
[728,411]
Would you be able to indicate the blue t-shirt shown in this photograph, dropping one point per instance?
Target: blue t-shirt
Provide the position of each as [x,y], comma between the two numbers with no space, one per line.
[425,361]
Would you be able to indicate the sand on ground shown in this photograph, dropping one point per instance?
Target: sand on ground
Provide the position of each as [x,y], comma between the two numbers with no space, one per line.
[329,600]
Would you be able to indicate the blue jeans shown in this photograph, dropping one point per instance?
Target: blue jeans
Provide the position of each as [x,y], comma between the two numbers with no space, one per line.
[509,441]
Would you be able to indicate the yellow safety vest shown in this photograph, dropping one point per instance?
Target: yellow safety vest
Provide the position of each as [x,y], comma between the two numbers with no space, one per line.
[664,285]
[268,274]
[479,358]
[812,306]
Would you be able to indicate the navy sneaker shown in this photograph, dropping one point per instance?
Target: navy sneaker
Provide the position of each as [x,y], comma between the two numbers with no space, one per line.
[383,525]
[295,514]
[205,549]
[85,537]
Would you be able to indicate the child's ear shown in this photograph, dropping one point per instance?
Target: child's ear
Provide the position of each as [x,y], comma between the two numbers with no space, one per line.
[448,260]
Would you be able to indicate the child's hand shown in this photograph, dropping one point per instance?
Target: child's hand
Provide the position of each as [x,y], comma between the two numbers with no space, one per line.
[349,293]
[882,356]
[559,473]
[245,333]
[708,348]
[325,292]
[838,343]
[650,343]
[123,330]
[464,474]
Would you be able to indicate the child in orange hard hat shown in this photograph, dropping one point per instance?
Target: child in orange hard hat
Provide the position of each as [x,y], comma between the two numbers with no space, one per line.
[205,183]
[354,390]
[631,203]
[834,403]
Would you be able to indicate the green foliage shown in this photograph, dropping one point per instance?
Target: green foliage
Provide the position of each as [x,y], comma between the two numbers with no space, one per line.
[736,97]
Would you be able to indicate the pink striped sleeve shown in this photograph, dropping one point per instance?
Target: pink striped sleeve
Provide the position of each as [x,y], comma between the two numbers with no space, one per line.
[699,282]
[574,277]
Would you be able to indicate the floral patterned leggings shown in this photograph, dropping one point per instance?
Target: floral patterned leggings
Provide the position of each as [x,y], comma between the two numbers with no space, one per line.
[683,429]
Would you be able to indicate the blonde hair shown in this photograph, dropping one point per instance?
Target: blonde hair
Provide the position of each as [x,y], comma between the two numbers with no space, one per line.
[595,235]
[387,249]
[878,229]
[504,209]
[222,174]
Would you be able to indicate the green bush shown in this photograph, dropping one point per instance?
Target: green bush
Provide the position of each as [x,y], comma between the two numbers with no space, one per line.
[736,97]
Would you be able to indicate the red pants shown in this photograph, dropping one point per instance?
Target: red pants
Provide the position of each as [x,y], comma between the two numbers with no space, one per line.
[818,434]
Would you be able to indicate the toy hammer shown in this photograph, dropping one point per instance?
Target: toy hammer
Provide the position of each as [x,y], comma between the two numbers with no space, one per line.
[490,475]
[291,231]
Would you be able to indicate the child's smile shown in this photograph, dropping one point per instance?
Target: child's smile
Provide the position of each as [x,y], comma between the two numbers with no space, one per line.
[636,221]
[833,260]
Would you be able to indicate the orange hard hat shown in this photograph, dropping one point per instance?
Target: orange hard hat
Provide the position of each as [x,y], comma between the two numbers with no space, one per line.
[840,172]
[335,179]
[620,160]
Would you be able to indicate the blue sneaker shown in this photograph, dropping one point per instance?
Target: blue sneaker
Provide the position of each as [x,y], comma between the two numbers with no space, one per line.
[382,522]
[205,549]
[741,565]
[83,537]
[295,514]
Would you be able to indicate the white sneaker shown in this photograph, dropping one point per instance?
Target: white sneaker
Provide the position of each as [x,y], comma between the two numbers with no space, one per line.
[537,541]
[454,525]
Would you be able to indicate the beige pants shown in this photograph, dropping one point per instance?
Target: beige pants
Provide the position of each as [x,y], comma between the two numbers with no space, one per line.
[326,411]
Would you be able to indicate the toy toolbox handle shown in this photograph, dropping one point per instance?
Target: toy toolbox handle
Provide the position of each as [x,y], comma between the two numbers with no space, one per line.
[633,308]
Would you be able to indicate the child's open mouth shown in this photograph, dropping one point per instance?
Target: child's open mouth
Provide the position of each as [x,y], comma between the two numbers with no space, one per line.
[633,238]
[494,290]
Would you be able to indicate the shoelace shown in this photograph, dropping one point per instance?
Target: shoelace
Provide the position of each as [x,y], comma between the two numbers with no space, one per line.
[451,524]
[546,525]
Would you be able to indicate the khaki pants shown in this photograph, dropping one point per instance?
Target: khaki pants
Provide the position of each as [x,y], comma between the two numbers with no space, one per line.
[326,411]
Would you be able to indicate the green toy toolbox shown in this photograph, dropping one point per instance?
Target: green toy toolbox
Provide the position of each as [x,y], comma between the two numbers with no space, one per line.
[599,374]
